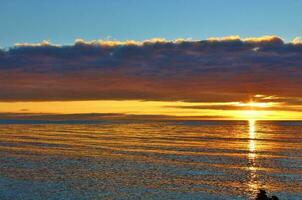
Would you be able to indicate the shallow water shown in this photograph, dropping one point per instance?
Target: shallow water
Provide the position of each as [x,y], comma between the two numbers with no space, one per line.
[149,159]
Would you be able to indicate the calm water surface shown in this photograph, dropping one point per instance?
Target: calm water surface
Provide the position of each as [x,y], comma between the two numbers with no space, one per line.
[149,159]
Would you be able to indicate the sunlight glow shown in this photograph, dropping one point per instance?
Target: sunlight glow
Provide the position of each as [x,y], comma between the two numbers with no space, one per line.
[252,183]
[252,146]
[256,104]
[204,110]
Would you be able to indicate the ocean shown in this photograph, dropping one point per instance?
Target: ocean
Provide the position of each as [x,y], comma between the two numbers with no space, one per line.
[149,159]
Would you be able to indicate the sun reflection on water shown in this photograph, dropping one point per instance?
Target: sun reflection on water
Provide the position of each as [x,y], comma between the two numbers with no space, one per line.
[253,184]
[252,146]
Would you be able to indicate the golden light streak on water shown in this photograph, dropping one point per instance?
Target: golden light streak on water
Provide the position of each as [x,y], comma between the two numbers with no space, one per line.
[252,146]
[252,183]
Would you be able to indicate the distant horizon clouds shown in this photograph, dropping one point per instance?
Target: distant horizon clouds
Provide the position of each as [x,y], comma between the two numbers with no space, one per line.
[213,70]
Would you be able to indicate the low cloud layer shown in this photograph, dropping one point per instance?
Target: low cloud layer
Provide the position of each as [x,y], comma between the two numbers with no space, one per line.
[213,70]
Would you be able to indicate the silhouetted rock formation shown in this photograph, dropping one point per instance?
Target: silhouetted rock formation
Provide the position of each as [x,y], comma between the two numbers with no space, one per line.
[263,196]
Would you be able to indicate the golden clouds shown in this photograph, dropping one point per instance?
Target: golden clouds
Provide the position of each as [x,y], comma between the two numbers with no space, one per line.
[296,41]
[39,44]
[113,43]
[266,38]
[226,38]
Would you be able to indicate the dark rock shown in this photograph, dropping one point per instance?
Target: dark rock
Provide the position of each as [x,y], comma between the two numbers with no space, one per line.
[263,196]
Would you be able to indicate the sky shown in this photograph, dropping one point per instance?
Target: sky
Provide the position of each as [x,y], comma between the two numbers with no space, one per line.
[61,22]
[207,59]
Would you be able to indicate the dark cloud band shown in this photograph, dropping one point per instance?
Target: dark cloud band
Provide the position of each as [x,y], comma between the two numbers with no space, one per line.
[217,69]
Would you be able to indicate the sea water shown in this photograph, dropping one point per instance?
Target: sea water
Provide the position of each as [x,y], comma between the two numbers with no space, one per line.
[149,159]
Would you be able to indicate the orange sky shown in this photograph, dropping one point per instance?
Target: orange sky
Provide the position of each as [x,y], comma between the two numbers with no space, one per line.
[223,110]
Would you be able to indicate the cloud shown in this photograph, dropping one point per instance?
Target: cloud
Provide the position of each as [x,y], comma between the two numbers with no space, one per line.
[21,118]
[281,107]
[297,41]
[217,69]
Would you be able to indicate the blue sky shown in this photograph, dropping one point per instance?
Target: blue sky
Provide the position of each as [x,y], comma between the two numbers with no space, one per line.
[63,21]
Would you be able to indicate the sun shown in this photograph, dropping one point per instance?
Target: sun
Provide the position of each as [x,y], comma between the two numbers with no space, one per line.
[252,114]
[253,110]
